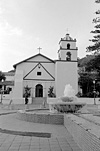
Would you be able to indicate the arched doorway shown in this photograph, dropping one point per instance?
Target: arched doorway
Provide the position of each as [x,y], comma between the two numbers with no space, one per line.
[39,90]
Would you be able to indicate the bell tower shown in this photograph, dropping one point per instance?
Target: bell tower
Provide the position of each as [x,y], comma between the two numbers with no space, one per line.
[68,49]
[66,65]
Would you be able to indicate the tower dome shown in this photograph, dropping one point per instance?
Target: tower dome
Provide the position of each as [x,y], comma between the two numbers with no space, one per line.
[67,37]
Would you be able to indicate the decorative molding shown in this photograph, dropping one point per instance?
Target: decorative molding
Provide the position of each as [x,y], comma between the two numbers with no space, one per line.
[66,61]
[67,40]
[38,62]
[40,79]
[67,49]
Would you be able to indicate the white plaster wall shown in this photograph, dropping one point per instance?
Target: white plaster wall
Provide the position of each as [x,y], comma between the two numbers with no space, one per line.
[18,87]
[46,84]
[66,73]
[26,67]
[50,67]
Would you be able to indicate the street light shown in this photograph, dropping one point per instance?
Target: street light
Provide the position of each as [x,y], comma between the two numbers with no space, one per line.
[94,91]
[2,90]
[1,95]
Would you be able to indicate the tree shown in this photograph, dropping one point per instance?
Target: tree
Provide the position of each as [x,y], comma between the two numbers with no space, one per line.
[93,65]
[85,82]
[87,76]
[2,76]
[83,61]
[96,38]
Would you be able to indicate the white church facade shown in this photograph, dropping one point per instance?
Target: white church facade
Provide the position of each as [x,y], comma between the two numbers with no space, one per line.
[40,72]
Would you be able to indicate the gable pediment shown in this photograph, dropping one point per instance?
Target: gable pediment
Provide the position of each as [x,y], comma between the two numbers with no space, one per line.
[44,74]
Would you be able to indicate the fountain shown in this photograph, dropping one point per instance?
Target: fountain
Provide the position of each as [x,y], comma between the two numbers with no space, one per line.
[67,103]
[57,106]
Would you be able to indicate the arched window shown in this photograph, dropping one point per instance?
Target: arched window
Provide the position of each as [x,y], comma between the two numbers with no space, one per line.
[68,46]
[68,56]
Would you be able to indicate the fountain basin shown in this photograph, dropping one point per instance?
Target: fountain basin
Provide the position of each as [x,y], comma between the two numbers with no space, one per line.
[56,105]
[42,116]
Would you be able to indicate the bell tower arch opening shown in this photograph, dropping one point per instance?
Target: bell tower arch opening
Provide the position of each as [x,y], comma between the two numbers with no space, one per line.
[68,46]
[68,56]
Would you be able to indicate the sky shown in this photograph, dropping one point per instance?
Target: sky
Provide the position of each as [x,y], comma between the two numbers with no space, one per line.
[26,25]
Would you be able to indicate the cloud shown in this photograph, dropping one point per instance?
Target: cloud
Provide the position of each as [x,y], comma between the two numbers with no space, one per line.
[7,29]
[1,10]
[15,31]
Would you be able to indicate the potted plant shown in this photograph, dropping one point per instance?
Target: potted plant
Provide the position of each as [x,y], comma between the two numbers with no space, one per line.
[50,92]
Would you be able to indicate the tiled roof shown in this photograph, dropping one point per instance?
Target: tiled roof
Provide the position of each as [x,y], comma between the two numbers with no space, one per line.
[10,83]
[9,73]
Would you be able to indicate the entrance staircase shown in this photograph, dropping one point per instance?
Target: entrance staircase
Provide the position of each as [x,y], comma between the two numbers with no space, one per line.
[39,100]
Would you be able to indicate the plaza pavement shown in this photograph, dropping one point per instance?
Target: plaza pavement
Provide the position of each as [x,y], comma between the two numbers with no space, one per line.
[60,140]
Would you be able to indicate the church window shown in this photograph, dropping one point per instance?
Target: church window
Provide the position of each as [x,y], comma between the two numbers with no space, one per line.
[38,73]
[68,56]
[68,46]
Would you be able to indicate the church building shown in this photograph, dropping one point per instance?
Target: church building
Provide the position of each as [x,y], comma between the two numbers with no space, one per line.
[40,72]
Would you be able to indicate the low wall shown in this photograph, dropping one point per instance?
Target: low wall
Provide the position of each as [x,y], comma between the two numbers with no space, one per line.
[86,140]
[6,98]
[21,100]
[41,117]
[82,100]
[89,100]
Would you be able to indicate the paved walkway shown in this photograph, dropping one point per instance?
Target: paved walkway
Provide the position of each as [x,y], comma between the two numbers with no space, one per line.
[60,140]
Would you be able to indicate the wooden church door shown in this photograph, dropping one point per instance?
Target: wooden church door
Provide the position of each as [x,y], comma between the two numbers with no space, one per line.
[39,90]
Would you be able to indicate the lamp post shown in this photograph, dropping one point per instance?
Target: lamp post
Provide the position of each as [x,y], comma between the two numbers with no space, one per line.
[1,95]
[94,91]
[2,90]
